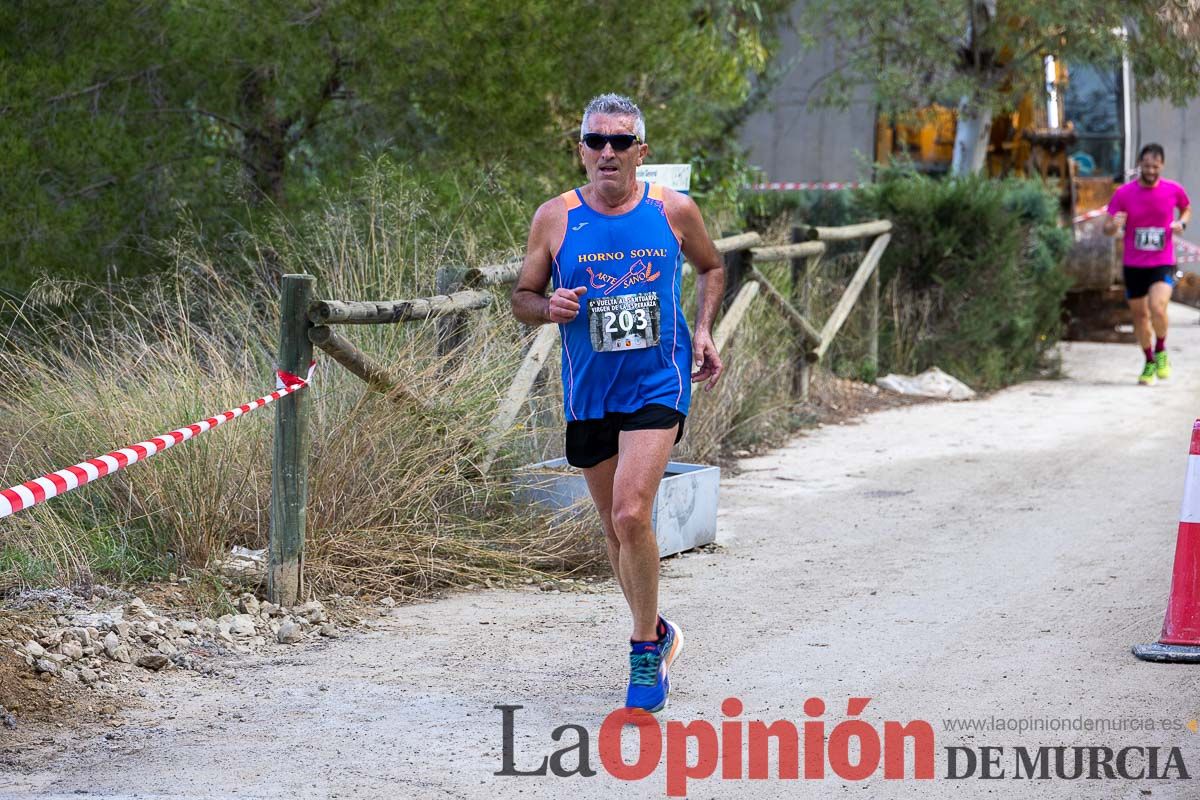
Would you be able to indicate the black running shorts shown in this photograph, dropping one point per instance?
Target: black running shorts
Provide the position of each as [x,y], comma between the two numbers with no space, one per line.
[1138,280]
[590,441]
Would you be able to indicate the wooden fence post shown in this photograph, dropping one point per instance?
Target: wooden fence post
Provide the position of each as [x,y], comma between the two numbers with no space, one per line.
[873,323]
[452,330]
[736,262]
[802,275]
[289,470]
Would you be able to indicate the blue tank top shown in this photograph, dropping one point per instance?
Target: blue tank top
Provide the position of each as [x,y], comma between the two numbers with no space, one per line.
[630,344]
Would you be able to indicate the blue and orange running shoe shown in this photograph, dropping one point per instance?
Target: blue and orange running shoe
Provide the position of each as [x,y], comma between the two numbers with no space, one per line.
[649,683]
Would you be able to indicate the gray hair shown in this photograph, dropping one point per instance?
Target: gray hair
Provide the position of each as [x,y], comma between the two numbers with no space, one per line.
[618,105]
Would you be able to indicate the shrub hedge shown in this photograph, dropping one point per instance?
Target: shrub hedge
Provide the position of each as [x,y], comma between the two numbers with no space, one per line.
[972,276]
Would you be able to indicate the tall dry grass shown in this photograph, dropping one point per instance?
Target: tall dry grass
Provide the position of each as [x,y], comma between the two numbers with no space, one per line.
[397,503]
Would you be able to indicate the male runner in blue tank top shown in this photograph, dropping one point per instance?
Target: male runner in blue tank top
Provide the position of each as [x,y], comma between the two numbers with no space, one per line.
[615,250]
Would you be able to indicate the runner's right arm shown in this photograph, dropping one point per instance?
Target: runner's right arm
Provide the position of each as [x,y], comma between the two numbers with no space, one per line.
[1115,220]
[529,301]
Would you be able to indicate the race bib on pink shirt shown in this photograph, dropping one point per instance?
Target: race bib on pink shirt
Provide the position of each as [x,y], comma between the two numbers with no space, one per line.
[1149,238]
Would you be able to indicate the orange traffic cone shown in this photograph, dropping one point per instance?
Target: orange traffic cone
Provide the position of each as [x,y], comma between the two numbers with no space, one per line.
[1180,640]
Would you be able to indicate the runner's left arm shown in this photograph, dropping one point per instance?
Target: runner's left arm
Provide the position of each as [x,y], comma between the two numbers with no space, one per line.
[700,251]
[1185,213]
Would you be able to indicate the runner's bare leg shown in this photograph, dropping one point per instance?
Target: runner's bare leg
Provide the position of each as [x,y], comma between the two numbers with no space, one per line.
[1141,321]
[600,486]
[1159,298]
[640,464]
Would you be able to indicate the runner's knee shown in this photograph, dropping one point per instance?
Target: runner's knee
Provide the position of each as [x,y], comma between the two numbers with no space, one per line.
[630,519]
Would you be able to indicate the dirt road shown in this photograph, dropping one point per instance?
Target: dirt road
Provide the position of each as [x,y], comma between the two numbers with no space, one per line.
[949,561]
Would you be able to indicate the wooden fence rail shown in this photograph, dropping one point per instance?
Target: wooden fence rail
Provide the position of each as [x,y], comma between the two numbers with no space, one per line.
[305,323]
[357,312]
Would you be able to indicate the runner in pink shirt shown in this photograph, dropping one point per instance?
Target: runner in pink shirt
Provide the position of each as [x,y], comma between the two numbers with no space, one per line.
[1145,210]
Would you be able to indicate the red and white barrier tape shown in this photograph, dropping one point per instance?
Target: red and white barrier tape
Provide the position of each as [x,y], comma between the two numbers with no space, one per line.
[788,186]
[53,484]
[1097,212]
[1190,253]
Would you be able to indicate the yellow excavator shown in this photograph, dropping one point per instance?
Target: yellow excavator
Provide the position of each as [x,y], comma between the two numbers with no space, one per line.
[1076,136]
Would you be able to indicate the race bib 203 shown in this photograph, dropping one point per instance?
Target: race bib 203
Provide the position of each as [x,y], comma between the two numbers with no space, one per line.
[624,322]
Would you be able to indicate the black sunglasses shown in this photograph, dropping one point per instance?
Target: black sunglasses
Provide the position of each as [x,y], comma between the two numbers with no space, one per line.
[619,141]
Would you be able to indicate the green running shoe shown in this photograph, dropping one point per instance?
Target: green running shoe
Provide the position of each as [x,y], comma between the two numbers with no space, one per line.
[1147,376]
[1162,365]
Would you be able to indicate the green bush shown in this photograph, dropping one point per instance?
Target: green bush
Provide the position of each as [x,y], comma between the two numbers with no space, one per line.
[974,276]
[808,207]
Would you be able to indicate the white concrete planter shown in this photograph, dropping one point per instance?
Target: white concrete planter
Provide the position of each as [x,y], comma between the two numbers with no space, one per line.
[685,508]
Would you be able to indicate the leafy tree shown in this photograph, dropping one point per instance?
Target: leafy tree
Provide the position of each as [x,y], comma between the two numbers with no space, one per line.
[117,118]
[986,54]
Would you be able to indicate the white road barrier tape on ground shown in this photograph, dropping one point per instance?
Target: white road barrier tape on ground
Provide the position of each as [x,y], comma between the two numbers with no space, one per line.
[53,484]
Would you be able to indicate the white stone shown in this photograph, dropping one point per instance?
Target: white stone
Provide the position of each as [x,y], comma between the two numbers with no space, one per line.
[34,649]
[71,650]
[111,643]
[242,625]
[188,627]
[46,665]
[137,608]
[88,676]
[289,633]
[248,604]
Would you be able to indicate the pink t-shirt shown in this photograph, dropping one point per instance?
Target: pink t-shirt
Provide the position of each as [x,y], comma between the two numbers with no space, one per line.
[1151,210]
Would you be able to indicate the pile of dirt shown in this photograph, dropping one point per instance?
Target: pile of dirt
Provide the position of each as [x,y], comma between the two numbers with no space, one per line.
[832,401]
[34,704]
[23,694]
[835,400]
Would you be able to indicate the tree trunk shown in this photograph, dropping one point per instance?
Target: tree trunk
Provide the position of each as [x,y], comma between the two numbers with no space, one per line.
[974,128]
[264,139]
[971,136]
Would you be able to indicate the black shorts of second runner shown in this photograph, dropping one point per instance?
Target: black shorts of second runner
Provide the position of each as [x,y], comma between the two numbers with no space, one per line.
[590,441]
[1138,280]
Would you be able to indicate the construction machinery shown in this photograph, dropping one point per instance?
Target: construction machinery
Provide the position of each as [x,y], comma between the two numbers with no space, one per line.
[1076,136]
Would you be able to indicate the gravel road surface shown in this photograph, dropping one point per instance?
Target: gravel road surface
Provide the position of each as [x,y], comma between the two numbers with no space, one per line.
[990,560]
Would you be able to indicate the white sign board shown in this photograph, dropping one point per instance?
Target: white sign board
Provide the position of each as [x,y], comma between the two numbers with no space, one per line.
[673,176]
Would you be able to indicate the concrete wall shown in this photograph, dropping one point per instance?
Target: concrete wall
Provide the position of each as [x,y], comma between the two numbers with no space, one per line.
[790,141]
[1161,122]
